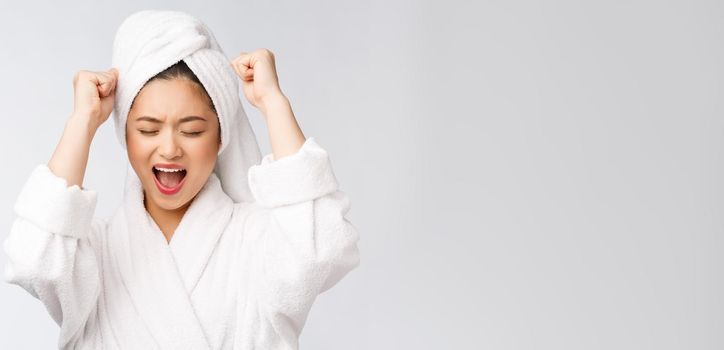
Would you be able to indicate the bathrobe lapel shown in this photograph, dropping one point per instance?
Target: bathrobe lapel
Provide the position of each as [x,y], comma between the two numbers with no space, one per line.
[199,231]
[161,276]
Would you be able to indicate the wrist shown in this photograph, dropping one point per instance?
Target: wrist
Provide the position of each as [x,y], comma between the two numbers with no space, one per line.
[272,102]
[82,124]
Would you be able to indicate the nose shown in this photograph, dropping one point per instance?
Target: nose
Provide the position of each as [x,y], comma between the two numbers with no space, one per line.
[169,148]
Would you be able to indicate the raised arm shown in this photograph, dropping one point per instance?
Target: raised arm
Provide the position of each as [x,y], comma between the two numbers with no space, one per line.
[50,247]
[94,96]
[257,71]
[307,244]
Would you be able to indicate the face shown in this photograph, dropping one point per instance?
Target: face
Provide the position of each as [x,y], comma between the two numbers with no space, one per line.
[171,123]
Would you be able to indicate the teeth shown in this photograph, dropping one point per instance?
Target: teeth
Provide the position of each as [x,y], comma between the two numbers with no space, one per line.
[168,170]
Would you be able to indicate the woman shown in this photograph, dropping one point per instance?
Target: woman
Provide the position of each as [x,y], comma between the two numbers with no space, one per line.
[213,246]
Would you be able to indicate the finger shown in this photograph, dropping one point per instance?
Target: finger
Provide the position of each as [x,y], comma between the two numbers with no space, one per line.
[104,91]
[104,88]
[111,76]
[241,61]
[102,78]
[107,81]
[236,63]
[248,74]
[245,60]
[243,71]
[237,59]
[113,88]
[236,69]
[97,80]
[104,84]
[114,73]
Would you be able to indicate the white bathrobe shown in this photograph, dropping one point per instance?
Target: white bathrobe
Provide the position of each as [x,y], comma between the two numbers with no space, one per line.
[234,275]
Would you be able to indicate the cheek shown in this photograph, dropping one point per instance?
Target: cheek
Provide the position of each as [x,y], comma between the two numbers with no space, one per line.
[139,152]
[136,145]
[204,152]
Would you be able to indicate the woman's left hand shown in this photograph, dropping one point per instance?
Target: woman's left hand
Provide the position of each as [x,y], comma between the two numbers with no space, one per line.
[258,74]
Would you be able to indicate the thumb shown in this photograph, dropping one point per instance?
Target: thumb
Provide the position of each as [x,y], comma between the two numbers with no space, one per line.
[107,82]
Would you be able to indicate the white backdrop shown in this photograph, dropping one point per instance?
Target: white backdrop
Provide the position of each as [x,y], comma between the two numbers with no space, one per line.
[523,174]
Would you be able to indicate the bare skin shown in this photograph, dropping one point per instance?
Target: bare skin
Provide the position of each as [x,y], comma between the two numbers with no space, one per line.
[94,93]
[172,138]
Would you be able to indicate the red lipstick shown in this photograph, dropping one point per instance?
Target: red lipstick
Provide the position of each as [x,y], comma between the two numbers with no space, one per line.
[168,190]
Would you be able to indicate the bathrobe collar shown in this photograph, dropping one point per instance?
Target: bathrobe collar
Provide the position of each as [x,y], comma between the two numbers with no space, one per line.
[160,276]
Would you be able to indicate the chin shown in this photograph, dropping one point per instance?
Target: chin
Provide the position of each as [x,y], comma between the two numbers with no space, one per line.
[167,203]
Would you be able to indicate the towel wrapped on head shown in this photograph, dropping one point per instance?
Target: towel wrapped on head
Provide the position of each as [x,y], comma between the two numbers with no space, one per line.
[146,43]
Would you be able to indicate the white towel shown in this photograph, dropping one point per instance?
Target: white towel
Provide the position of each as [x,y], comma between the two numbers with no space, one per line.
[149,41]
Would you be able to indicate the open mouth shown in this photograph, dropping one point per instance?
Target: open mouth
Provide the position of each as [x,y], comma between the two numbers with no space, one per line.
[169,180]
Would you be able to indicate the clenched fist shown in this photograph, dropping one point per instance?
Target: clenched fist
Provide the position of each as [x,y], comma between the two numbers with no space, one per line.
[258,74]
[94,95]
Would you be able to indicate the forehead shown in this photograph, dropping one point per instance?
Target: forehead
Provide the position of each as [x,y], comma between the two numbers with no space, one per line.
[174,99]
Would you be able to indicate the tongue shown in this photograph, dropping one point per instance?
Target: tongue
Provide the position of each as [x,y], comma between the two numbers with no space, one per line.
[170,180]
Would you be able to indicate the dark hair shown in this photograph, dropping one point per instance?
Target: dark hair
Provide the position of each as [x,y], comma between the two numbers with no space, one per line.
[181,70]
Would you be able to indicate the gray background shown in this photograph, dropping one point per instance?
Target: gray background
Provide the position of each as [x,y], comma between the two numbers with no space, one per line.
[523,174]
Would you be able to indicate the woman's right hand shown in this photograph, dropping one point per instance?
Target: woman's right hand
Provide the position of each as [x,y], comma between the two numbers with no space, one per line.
[94,95]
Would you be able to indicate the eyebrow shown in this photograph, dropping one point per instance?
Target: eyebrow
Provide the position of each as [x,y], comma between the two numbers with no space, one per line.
[182,120]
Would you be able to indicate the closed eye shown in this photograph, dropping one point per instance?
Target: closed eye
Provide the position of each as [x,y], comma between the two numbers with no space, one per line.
[147,132]
[196,133]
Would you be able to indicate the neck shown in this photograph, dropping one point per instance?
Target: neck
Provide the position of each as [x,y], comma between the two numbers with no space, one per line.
[167,220]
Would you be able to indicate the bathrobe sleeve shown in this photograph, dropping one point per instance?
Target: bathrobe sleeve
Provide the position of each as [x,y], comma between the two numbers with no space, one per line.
[307,245]
[49,251]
